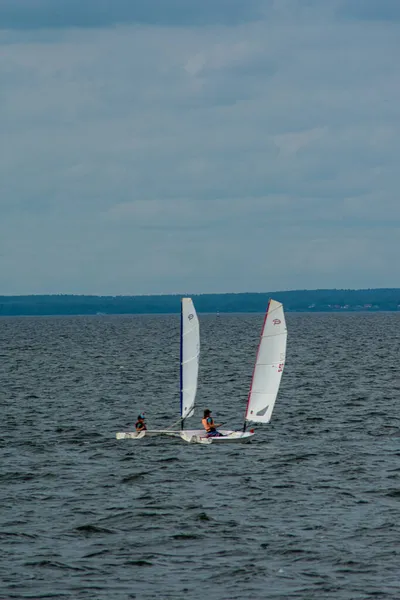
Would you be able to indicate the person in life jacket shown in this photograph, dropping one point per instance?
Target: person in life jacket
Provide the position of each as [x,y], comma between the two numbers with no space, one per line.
[209,425]
[140,424]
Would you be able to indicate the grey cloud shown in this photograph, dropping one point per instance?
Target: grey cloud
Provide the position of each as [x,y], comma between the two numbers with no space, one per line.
[43,14]
[374,10]
[145,159]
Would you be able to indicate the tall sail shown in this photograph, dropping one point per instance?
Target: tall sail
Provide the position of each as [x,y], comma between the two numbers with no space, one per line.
[269,365]
[190,351]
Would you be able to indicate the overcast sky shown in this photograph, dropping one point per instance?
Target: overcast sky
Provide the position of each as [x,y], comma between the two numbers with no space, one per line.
[188,146]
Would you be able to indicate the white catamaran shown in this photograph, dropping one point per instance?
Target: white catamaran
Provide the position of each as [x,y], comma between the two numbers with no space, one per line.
[265,383]
[264,386]
[189,360]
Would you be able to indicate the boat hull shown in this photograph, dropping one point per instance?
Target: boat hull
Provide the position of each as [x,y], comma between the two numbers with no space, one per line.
[194,436]
[134,435]
[198,436]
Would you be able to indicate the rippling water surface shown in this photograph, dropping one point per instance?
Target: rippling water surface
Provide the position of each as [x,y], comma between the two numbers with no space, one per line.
[308,510]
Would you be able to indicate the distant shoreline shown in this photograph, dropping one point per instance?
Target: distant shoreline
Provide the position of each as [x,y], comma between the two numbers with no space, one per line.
[306,301]
[203,314]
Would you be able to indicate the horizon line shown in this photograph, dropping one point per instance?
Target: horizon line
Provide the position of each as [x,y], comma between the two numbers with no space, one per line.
[161,294]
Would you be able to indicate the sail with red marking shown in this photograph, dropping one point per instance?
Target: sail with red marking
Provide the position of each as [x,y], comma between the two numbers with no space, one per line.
[269,365]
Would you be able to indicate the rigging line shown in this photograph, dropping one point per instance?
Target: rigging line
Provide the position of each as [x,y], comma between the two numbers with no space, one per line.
[176,423]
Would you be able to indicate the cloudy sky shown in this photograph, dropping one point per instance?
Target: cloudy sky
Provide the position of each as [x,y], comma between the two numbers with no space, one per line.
[188,146]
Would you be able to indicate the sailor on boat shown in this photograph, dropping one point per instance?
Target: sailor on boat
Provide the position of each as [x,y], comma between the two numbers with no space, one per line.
[209,425]
[140,424]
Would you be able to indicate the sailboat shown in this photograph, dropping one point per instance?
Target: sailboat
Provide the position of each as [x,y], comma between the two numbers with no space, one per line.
[265,382]
[189,369]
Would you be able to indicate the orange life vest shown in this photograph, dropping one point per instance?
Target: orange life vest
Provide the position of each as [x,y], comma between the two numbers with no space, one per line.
[207,426]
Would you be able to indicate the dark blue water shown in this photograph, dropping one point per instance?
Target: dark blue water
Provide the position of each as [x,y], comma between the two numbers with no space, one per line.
[309,510]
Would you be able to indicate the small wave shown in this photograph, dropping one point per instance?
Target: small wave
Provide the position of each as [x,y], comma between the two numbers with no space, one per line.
[98,553]
[10,534]
[186,536]
[52,564]
[91,529]
[393,494]
[203,516]
[133,477]
[151,513]
[17,477]
[296,552]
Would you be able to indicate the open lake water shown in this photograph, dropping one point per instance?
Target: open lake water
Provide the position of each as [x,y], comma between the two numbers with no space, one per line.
[309,510]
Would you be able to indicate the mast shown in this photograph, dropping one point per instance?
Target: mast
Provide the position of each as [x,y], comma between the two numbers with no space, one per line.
[181,366]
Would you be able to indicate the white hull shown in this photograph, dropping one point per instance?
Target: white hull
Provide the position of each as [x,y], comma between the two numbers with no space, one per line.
[198,436]
[194,436]
[134,435]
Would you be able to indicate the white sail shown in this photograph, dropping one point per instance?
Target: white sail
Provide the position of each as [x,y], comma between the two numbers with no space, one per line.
[269,365]
[190,351]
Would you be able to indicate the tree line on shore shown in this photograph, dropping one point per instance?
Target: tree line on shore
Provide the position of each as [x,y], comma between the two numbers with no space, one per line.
[382,299]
